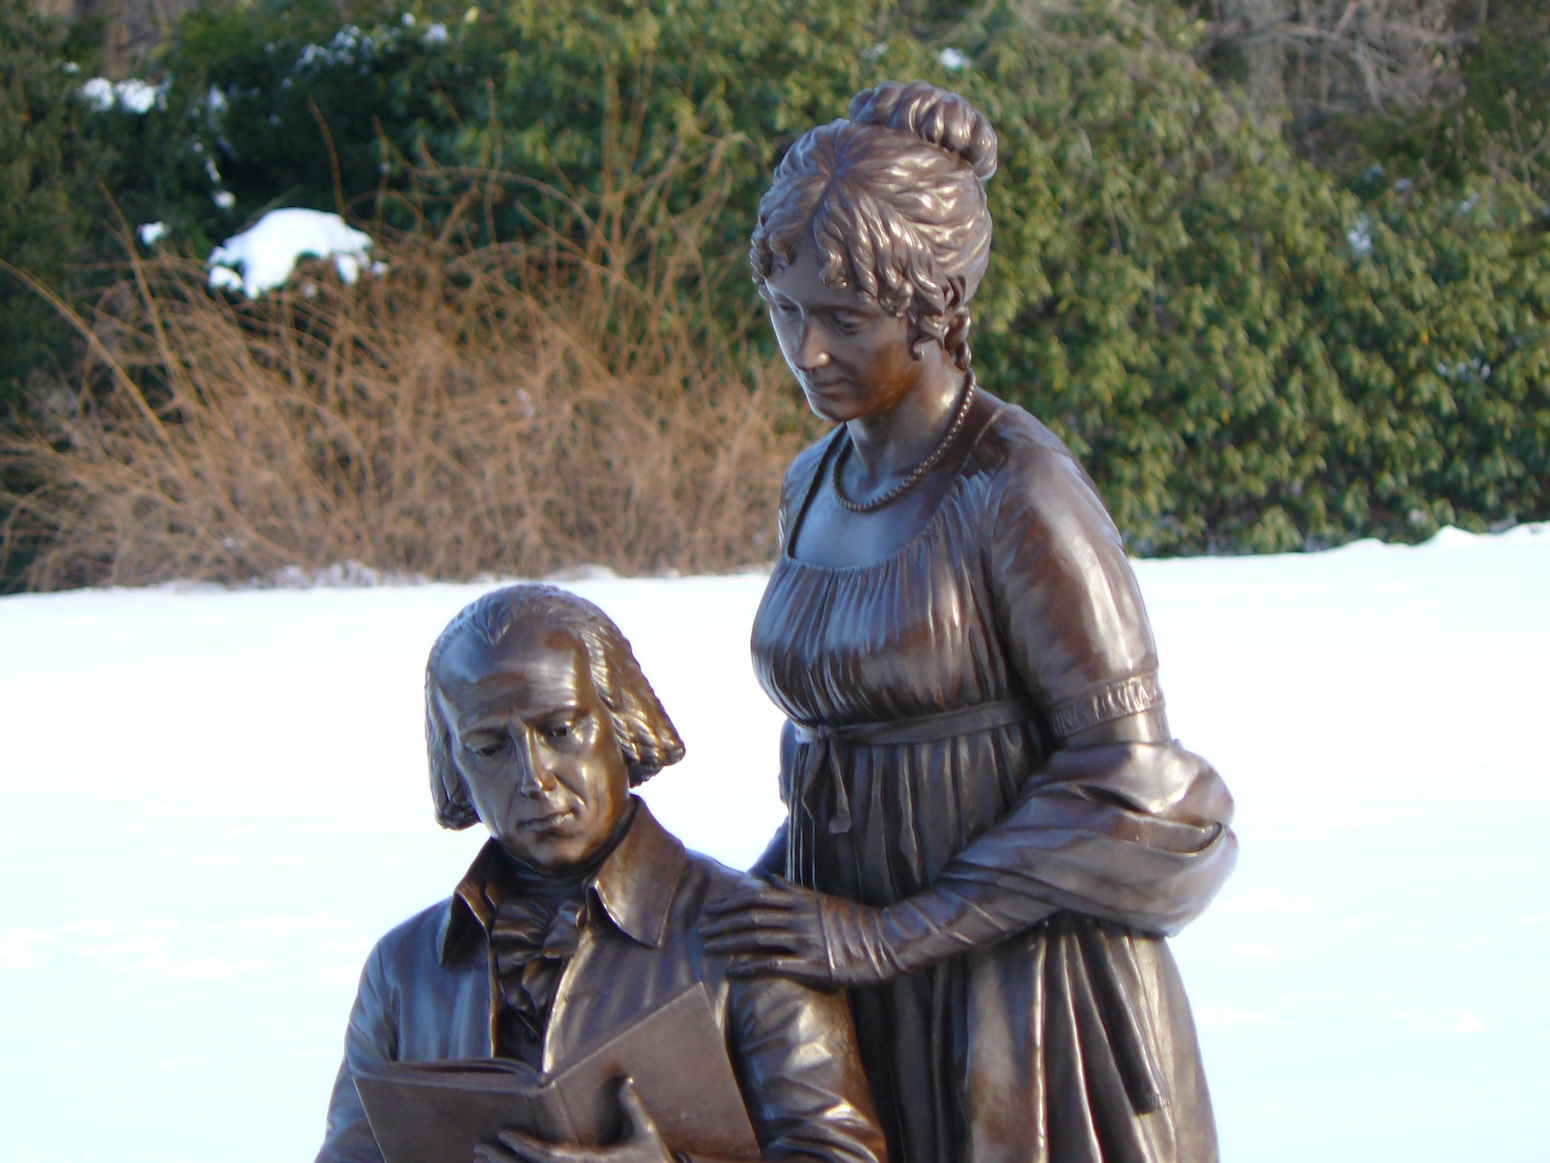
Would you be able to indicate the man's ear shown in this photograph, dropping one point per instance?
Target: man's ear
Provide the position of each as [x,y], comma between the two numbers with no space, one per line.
[454,806]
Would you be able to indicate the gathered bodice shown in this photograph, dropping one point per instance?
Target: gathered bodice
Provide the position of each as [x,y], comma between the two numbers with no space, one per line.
[908,636]
[1016,587]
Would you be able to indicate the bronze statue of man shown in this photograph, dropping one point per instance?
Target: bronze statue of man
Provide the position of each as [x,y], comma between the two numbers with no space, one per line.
[580,915]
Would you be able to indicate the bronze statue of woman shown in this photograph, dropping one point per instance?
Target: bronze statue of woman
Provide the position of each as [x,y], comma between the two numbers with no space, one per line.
[991,828]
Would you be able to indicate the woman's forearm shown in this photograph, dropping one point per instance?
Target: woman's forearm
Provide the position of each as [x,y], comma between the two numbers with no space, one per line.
[1135,832]
[941,922]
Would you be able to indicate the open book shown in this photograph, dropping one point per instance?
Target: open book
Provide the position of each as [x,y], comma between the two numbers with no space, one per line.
[437,1112]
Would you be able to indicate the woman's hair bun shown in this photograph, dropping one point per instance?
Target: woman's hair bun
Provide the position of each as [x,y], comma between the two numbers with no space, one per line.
[934,115]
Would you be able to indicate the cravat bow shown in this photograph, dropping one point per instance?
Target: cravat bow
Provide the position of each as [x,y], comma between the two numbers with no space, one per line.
[532,942]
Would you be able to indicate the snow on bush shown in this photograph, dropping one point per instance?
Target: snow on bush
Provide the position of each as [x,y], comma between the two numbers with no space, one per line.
[263,256]
[133,95]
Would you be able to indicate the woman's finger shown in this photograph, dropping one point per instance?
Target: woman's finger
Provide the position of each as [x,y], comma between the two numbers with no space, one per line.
[757,941]
[749,920]
[765,896]
[743,922]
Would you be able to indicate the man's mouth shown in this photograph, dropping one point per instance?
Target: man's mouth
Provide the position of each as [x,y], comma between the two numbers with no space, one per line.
[548,823]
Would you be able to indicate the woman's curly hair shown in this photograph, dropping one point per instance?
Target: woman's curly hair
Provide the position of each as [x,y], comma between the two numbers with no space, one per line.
[893,197]
[646,735]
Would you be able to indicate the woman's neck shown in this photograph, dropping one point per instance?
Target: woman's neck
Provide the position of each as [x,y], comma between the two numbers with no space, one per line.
[889,444]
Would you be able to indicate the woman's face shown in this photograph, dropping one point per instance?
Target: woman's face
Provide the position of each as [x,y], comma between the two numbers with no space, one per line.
[851,358]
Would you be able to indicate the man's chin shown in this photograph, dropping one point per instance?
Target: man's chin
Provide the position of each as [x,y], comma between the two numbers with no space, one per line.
[553,848]
[559,856]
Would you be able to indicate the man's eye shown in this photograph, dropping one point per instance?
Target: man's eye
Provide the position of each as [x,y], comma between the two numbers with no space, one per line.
[786,308]
[487,748]
[556,731]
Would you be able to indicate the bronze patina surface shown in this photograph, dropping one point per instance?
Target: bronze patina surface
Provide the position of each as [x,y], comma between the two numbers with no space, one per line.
[580,917]
[991,829]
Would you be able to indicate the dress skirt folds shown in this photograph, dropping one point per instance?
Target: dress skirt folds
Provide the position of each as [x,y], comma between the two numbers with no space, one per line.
[928,696]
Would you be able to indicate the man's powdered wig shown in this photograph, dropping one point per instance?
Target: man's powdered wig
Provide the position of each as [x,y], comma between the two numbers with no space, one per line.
[893,197]
[645,733]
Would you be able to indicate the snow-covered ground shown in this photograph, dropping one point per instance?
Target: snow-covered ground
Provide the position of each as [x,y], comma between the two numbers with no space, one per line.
[212,802]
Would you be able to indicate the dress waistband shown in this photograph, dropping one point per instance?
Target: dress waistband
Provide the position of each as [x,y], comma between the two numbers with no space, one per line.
[824,759]
[923,728]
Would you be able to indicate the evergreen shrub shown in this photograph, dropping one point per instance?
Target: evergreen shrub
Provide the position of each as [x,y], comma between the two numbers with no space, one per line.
[1248,354]
[48,167]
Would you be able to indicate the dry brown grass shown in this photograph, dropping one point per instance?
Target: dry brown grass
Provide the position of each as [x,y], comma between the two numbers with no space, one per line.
[476,410]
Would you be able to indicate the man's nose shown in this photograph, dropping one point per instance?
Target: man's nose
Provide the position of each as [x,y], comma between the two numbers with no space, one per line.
[533,778]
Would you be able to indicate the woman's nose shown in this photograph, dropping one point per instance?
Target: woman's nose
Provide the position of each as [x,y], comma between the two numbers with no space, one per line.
[812,351]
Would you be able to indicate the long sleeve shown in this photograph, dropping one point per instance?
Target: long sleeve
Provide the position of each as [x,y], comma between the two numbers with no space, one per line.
[1135,832]
[1066,602]
[803,1083]
[370,1043]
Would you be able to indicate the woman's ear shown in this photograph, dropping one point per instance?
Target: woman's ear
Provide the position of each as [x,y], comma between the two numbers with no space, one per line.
[956,341]
[920,339]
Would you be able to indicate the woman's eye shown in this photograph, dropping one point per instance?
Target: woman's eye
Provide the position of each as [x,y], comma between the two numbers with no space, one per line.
[487,748]
[786,308]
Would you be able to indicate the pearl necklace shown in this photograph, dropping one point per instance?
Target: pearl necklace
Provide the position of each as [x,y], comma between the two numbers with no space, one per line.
[915,473]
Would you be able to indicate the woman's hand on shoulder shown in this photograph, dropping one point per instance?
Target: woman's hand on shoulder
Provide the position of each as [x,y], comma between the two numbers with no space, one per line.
[784,929]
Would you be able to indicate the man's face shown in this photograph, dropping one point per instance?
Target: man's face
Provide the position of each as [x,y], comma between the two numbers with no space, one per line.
[535,744]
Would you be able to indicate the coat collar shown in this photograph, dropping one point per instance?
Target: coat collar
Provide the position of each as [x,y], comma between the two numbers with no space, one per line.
[635,888]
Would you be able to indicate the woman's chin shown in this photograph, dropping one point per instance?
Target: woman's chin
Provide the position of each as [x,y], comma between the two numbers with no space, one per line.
[833,409]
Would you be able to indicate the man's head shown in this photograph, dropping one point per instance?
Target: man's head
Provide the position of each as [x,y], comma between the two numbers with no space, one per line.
[538,721]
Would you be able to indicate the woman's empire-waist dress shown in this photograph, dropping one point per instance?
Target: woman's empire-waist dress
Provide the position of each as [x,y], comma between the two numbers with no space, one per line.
[928,696]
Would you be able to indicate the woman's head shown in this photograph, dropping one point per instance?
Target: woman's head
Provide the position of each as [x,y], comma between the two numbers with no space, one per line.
[892,199]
